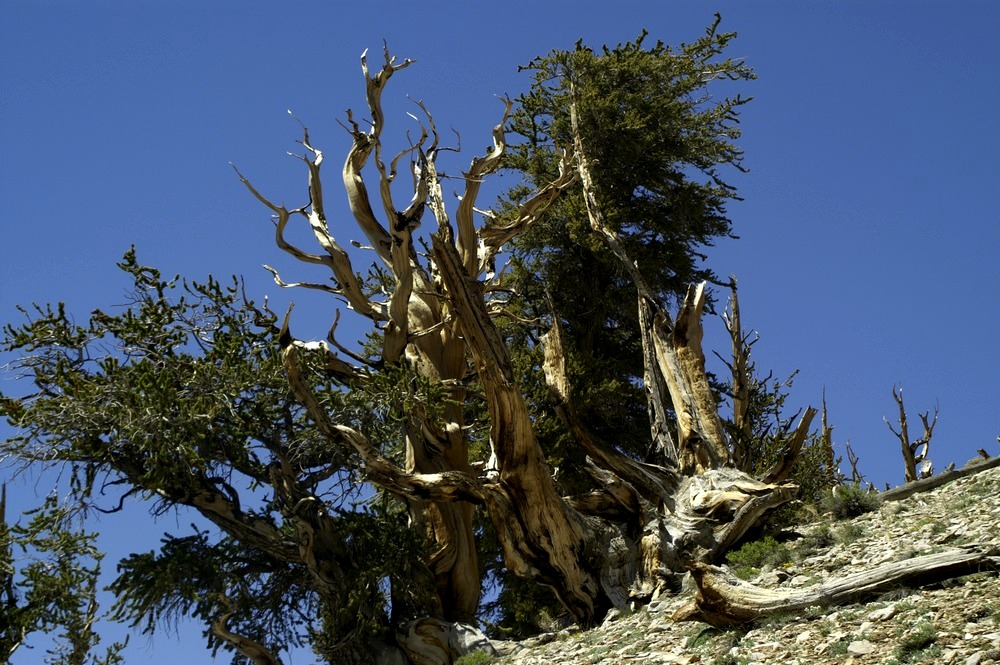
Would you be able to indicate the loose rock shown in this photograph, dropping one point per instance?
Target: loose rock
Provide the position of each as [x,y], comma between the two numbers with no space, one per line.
[964,613]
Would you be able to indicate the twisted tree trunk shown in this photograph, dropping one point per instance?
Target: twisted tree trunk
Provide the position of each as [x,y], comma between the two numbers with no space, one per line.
[642,524]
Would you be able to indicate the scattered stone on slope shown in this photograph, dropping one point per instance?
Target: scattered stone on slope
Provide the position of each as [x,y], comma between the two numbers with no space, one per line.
[956,622]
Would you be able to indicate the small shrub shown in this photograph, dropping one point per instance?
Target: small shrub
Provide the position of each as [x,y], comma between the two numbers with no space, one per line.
[477,657]
[915,643]
[819,538]
[851,501]
[839,648]
[849,533]
[714,639]
[730,659]
[931,525]
[757,554]
[899,594]
[816,539]
[963,503]
[776,619]
[599,654]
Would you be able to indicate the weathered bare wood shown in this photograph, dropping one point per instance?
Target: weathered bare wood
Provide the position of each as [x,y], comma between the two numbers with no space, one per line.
[663,445]
[494,236]
[219,509]
[447,486]
[418,333]
[255,652]
[740,369]
[904,437]
[715,509]
[374,85]
[653,482]
[615,499]
[723,600]
[357,192]
[336,258]
[425,641]
[852,458]
[541,535]
[786,459]
[396,335]
[925,484]
[438,324]
[701,440]
[429,641]
[467,241]
[915,460]
[447,518]
[833,474]
[922,446]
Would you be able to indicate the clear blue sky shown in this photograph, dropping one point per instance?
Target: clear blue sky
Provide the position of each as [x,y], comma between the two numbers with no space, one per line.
[869,232]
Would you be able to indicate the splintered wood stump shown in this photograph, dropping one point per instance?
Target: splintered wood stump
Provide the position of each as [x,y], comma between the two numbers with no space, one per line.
[723,599]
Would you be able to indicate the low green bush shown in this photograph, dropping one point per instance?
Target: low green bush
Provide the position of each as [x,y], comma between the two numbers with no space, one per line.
[847,501]
[477,657]
[917,644]
[752,556]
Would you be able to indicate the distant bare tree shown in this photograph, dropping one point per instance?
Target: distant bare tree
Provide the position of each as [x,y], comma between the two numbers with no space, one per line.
[915,460]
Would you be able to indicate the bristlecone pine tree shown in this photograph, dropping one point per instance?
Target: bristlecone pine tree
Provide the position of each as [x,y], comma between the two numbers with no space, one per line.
[632,534]
[210,402]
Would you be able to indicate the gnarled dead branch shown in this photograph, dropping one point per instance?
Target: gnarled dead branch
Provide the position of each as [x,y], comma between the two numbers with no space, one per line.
[253,651]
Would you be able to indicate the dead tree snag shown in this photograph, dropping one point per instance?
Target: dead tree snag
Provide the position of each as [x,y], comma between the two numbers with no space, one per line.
[916,463]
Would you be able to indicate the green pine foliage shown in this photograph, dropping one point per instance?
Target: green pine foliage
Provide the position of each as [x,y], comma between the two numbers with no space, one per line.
[49,569]
[662,141]
[180,398]
[751,557]
[662,146]
[770,433]
[475,658]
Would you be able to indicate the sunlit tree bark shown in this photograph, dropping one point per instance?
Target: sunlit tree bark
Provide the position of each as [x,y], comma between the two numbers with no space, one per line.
[643,523]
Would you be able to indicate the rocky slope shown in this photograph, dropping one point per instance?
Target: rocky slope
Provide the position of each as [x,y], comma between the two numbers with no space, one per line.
[954,622]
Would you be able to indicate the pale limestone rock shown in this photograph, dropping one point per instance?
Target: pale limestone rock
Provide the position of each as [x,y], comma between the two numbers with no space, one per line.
[465,639]
[612,615]
[883,614]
